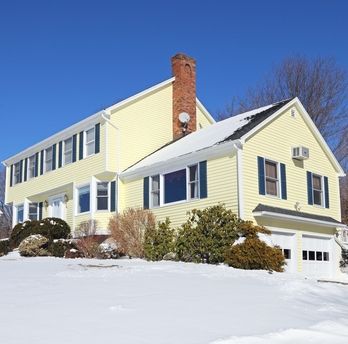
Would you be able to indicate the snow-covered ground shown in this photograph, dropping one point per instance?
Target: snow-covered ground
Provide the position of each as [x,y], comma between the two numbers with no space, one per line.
[52,300]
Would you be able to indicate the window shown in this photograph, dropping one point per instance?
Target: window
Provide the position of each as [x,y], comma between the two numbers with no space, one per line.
[315,255]
[90,145]
[175,186]
[31,167]
[83,199]
[67,151]
[16,173]
[48,159]
[193,182]
[155,191]
[103,196]
[317,190]
[33,211]
[272,178]
[20,213]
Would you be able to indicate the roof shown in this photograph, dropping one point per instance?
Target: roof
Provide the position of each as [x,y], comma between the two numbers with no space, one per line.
[230,129]
[276,210]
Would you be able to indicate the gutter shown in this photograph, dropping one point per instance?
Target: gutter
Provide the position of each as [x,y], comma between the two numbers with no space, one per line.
[119,159]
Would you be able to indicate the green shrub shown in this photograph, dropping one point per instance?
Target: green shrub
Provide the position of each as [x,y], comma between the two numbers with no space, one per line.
[158,241]
[254,254]
[207,234]
[34,246]
[57,248]
[4,247]
[54,228]
[21,231]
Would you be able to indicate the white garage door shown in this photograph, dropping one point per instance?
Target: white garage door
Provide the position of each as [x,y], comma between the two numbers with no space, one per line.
[316,256]
[286,241]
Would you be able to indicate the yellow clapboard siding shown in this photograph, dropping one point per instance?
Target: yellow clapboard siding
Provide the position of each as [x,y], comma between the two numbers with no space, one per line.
[202,119]
[222,188]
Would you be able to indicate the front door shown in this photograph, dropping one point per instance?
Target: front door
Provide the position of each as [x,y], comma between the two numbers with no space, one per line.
[57,207]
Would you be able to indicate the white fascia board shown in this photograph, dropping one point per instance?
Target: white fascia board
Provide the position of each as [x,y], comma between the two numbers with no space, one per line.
[205,111]
[171,164]
[297,219]
[311,124]
[91,120]
[138,95]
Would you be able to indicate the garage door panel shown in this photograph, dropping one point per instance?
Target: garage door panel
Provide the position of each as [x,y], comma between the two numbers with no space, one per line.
[286,242]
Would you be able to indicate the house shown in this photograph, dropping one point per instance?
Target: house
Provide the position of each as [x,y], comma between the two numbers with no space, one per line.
[270,166]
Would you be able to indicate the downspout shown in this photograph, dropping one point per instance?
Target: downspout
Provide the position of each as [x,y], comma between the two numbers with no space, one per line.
[119,161]
[238,147]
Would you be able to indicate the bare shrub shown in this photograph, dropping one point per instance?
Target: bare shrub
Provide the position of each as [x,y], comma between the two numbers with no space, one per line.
[128,230]
[87,242]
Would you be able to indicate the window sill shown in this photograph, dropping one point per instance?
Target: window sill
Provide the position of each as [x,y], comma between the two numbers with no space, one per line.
[271,196]
[318,206]
[85,213]
[175,203]
[102,211]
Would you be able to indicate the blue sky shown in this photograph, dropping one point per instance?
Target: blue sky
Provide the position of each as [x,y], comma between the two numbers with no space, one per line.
[62,61]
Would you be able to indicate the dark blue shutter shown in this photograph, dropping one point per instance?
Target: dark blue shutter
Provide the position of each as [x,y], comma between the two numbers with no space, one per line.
[81,145]
[203,185]
[97,138]
[309,188]
[74,148]
[146,193]
[262,183]
[113,196]
[42,162]
[36,164]
[25,169]
[40,210]
[54,156]
[11,176]
[283,180]
[20,170]
[60,154]
[326,188]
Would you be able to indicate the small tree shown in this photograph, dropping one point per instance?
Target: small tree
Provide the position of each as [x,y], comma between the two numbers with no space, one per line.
[128,230]
[87,242]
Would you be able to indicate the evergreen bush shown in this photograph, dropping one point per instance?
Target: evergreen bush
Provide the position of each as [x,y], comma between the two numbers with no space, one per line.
[34,246]
[4,247]
[207,234]
[254,254]
[53,228]
[57,248]
[21,231]
[158,241]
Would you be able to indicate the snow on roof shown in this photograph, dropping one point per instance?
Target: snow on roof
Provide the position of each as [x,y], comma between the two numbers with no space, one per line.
[209,136]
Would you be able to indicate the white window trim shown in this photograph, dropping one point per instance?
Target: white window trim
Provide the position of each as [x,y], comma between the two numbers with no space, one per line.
[151,191]
[96,196]
[85,142]
[161,183]
[322,190]
[63,151]
[28,167]
[189,183]
[13,173]
[44,160]
[62,205]
[278,180]
[76,199]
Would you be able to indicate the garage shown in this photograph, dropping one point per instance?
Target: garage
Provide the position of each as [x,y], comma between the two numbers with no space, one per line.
[316,255]
[287,243]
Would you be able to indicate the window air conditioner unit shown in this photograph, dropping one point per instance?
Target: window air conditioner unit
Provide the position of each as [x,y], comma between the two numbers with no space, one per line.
[300,153]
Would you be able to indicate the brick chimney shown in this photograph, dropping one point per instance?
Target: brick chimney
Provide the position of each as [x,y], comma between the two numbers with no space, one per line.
[184,93]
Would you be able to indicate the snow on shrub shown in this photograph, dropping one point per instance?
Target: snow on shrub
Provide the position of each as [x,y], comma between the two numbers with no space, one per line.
[34,246]
[252,253]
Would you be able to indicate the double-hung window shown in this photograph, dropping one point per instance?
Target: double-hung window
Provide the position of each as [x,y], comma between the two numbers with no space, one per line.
[16,173]
[155,191]
[33,211]
[317,189]
[193,182]
[67,151]
[272,178]
[31,167]
[90,144]
[103,196]
[83,199]
[48,159]
[175,186]
[20,213]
